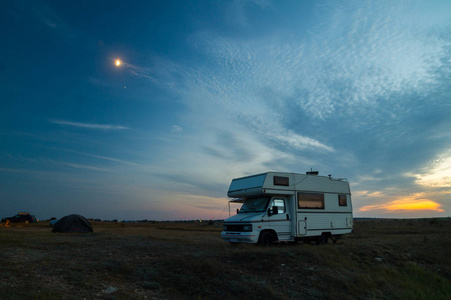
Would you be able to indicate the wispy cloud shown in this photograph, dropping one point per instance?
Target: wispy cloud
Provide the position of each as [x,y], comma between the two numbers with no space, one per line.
[337,68]
[140,72]
[86,167]
[44,14]
[89,125]
[437,174]
[47,16]
[101,157]
[177,129]
[237,11]
[367,58]
[237,91]
[294,140]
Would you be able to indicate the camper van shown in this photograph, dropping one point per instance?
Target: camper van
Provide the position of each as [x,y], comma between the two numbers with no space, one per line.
[288,207]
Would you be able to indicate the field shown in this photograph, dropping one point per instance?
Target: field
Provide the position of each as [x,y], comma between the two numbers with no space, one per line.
[382,259]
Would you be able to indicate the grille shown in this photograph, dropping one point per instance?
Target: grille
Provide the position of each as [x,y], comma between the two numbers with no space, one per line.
[235,227]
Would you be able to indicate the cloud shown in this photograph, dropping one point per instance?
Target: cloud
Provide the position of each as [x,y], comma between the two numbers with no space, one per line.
[350,72]
[48,17]
[438,174]
[86,167]
[89,125]
[177,129]
[45,15]
[236,12]
[296,141]
[111,159]
[235,91]
[230,146]
[141,72]
[338,65]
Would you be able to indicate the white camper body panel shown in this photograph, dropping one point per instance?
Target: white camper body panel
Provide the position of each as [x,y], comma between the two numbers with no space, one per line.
[309,206]
[264,184]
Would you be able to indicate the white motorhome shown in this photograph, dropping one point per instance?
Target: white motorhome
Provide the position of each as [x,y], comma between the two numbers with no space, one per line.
[289,207]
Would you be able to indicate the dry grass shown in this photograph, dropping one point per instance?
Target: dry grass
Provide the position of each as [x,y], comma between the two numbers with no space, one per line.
[382,259]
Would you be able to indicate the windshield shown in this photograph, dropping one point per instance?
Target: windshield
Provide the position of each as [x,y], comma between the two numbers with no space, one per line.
[254,205]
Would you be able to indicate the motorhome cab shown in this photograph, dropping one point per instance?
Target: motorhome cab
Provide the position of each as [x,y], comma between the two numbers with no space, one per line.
[289,207]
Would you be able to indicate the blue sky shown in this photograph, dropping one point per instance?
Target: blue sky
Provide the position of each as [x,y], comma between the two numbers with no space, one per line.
[212,90]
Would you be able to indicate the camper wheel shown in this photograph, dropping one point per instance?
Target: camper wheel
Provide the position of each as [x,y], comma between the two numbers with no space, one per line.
[266,238]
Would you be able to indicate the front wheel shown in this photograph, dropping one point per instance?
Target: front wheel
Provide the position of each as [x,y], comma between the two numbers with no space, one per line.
[266,239]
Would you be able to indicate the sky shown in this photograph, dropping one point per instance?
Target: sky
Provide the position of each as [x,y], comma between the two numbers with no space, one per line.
[208,91]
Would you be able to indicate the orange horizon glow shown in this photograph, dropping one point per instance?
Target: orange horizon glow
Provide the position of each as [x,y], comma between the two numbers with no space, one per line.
[405,205]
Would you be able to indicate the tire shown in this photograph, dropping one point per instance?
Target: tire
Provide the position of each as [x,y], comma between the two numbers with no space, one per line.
[266,239]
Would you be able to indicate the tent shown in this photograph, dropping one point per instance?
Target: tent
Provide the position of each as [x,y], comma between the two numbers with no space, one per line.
[73,223]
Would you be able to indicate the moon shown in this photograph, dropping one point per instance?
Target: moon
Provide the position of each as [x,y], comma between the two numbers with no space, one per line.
[118,62]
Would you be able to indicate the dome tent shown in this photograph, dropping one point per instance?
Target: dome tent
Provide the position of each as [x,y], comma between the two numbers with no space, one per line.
[73,223]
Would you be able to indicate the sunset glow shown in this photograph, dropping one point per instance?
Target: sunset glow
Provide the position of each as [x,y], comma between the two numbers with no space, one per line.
[438,175]
[405,205]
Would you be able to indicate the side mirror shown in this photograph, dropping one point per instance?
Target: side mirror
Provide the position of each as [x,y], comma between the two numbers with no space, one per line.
[237,211]
[274,210]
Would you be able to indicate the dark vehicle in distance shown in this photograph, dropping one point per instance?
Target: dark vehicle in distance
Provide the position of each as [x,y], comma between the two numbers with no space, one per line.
[21,217]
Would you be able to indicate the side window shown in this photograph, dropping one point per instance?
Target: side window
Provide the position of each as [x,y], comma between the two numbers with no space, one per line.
[310,201]
[342,200]
[280,203]
[279,180]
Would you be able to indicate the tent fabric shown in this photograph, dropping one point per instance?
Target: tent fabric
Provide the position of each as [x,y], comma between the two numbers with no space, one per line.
[73,223]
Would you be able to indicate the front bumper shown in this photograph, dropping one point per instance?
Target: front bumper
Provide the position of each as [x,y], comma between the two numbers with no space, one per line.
[239,237]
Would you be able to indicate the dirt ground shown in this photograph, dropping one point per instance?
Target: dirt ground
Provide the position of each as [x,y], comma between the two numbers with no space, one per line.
[382,259]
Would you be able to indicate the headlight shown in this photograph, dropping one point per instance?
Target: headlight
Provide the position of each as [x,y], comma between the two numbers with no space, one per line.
[247,227]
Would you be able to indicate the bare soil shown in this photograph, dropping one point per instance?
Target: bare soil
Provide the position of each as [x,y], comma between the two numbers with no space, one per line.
[382,259]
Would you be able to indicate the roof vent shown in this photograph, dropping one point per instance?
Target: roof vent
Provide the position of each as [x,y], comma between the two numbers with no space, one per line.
[311,172]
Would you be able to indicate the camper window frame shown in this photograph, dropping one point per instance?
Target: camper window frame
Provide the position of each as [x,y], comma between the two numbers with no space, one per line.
[284,206]
[281,180]
[342,200]
[310,198]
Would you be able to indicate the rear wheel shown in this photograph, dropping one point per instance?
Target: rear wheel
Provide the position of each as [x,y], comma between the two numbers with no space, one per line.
[266,238]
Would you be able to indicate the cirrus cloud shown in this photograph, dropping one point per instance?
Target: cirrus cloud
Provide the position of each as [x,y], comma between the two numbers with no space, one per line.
[89,125]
